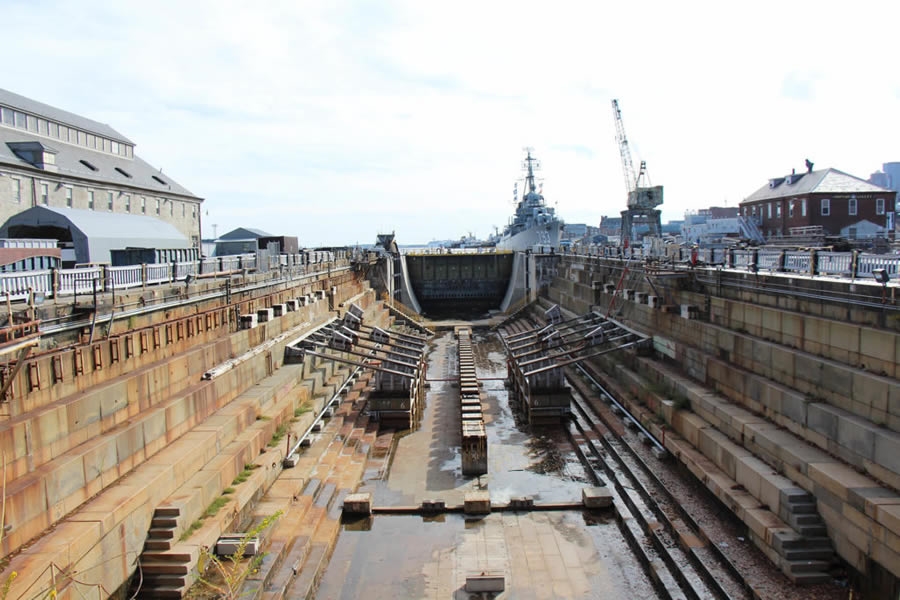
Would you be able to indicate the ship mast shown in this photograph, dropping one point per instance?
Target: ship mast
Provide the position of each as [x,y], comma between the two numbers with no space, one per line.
[532,165]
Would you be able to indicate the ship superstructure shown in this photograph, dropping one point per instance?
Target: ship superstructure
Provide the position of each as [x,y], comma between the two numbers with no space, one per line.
[534,223]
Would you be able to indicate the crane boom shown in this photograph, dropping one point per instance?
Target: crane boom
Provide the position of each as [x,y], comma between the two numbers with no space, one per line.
[624,150]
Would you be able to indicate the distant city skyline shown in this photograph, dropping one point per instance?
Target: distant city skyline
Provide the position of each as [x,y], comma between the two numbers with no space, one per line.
[336,121]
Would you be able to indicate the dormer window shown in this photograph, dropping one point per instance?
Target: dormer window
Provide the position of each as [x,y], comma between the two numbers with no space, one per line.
[159,180]
[88,164]
[774,183]
[123,172]
[35,153]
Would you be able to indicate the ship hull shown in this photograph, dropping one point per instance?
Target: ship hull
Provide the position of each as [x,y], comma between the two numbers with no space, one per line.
[540,235]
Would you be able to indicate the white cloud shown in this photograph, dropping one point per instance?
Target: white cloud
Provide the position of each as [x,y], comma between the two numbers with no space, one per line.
[336,120]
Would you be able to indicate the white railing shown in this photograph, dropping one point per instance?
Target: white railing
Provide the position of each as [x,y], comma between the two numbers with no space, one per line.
[834,263]
[80,281]
[866,263]
[159,273]
[125,277]
[796,262]
[742,259]
[183,269]
[768,260]
[17,285]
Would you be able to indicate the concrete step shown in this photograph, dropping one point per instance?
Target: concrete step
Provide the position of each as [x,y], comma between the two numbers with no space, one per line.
[158,545]
[323,498]
[809,554]
[163,592]
[807,566]
[164,568]
[812,531]
[176,557]
[167,511]
[306,579]
[797,520]
[164,522]
[158,580]
[161,533]
[803,508]
[810,578]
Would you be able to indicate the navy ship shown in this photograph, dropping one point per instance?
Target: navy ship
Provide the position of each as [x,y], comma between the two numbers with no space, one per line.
[535,223]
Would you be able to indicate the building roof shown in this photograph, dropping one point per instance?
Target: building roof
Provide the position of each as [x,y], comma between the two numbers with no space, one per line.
[104,224]
[244,233]
[825,181]
[28,105]
[69,163]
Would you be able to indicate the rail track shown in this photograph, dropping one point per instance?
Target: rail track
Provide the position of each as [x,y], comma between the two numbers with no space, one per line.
[669,543]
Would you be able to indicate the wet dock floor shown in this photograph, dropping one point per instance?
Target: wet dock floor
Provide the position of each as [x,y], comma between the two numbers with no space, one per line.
[565,554]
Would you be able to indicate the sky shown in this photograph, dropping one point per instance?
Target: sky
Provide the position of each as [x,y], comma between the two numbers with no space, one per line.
[337,120]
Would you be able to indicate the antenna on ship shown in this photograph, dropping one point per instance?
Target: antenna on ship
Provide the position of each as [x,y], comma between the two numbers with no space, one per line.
[531,165]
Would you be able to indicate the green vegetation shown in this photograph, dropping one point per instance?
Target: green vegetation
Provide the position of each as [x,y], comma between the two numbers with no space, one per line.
[244,475]
[213,508]
[226,576]
[279,434]
[300,410]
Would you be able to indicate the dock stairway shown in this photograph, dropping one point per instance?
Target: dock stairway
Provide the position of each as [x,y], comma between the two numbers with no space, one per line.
[806,551]
[164,574]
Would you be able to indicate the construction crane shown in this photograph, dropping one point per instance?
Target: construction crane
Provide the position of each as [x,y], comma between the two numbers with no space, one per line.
[642,197]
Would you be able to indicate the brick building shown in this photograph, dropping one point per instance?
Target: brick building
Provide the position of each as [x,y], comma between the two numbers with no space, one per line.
[50,157]
[838,203]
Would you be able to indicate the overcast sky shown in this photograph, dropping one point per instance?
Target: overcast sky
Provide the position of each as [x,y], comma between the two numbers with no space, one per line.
[337,120]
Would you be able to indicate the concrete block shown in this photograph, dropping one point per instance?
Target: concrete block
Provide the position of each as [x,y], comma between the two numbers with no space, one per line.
[857,435]
[596,497]
[485,583]
[794,406]
[477,503]
[837,478]
[823,419]
[887,450]
[749,472]
[358,503]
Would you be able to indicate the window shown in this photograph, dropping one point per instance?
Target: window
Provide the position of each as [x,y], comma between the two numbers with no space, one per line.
[109,201]
[45,194]
[54,129]
[64,133]
[114,147]
[171,208]
[88,165]
[91,199]
[157,206]
[193,211]
[7,116]
[803,207]
[127,202]
[69,197]
[16,190]
[826,207]
[791,209]
[879,206]
[770,209]
[32,123]
[42,127]
[20,120]
[91,140]
[183,209]
[143,205]
[778,210]
[754,211]
[851,206]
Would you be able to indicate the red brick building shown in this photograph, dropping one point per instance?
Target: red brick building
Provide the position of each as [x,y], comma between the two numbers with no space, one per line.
[839,203]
